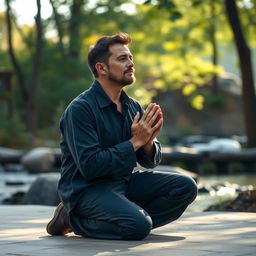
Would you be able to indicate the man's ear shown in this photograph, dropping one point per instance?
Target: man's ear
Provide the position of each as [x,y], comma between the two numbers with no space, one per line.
[101,68]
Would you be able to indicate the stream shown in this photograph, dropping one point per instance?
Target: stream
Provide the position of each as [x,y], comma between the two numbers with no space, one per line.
[232,182]
[212,188]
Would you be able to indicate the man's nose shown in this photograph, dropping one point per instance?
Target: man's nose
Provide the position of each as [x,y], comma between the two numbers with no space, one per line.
[131,63]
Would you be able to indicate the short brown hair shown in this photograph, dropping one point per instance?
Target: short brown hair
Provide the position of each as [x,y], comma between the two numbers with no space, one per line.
[100,51]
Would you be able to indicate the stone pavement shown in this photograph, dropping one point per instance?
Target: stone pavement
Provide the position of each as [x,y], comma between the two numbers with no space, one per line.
[22,233]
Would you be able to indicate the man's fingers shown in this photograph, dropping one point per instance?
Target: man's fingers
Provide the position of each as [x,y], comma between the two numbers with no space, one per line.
[151,113]
[150,106]
[158,124]
[157,128]
[155,117]
[136,118]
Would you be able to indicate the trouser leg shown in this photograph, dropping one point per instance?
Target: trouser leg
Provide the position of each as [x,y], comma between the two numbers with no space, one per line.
[164,196]
[104,212]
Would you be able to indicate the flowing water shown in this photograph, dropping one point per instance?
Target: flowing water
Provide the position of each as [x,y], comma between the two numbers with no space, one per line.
[231,183]
[11,183]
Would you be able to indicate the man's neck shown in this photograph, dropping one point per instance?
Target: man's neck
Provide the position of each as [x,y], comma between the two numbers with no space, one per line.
[112,90]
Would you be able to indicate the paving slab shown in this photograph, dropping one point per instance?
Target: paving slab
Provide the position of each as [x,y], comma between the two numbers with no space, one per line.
[22,233]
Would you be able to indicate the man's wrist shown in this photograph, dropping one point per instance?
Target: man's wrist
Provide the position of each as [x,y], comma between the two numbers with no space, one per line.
[136,144]
[149,147]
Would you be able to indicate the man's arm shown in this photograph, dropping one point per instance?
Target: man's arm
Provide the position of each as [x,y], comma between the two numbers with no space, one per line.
[93,161]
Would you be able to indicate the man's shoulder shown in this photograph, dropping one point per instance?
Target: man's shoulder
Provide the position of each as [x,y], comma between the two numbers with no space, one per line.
[82,103]
[83,99]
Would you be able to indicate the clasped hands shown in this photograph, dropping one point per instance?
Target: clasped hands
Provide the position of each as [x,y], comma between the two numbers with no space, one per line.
[146,129]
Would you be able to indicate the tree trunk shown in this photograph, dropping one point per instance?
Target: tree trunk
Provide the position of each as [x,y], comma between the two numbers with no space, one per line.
[14,60]
[248,90]
[213,43]
[59,29]
[32,104]
[74,29]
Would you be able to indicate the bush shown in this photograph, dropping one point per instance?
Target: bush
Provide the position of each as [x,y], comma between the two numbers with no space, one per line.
[13,132]
[214,99]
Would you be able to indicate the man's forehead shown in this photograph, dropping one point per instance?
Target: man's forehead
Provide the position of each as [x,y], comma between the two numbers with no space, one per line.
[119,49]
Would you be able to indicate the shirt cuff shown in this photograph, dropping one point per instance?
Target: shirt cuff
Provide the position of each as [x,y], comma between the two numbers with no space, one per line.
[158,155]
[155,160]
[128,154]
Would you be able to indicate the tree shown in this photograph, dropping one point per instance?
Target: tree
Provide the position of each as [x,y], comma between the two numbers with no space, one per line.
[244,54]
[57,19]
[74,28]
[170,43]
[213,41]
[29,91]
[248,90]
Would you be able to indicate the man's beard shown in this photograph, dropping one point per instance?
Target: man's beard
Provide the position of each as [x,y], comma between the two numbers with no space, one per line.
[122,81]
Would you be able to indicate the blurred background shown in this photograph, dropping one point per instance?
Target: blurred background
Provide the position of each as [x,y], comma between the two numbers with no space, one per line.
[194,58]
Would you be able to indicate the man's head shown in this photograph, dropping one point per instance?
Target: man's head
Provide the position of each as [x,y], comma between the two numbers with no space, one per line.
[111,58]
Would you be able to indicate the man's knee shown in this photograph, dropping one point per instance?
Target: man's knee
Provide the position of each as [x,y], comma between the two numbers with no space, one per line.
[192,187]
[186,189]
[138,229]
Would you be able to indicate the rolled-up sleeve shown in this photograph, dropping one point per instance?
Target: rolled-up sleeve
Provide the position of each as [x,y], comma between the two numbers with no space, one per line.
[79,131]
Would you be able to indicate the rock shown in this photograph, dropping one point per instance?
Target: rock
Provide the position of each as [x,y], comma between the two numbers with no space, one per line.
[245,202]
[203,190]
[8,155]
[16,198]
[44,190]
[18,168]
[1,169]
[14,183]
[221,116]
[57,155]
[38,160]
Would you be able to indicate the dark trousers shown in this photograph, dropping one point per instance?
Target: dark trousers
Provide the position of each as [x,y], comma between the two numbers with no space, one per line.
[129,209]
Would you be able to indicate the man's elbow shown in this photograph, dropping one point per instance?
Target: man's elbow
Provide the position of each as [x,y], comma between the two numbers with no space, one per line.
[93,171]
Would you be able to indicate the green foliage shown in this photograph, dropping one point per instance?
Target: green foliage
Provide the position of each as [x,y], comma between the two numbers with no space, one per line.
[223,200]
[208,167]
[13,132]
[171,47]
[213,99]
[186,130]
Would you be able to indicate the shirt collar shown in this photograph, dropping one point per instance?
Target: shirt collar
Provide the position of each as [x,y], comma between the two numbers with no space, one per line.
[103,98]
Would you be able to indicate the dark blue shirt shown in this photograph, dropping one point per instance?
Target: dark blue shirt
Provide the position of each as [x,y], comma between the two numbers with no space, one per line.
[95,143]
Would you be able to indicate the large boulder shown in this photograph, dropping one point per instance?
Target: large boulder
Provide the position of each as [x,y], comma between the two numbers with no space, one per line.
[38,160]
[221,116]
[44,190]
[8,155]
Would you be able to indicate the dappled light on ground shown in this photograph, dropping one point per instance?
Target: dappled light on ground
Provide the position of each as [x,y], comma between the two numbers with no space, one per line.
[22,231]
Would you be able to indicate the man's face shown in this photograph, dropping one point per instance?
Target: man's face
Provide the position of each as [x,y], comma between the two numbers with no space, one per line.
[120,65]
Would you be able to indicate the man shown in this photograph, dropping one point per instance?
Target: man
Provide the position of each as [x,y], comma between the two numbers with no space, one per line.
[104,134]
